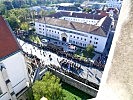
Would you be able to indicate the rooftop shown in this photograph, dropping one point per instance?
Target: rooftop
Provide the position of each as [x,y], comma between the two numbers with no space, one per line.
[78,15]
[69,8]
[101,30]
[8,44]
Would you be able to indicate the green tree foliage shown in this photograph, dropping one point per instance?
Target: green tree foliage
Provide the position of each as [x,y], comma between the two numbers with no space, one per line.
[87,10]
[48,87]
[24,26]
[8,5]
[88,52]
[17,18]
[13,22]
[2,9]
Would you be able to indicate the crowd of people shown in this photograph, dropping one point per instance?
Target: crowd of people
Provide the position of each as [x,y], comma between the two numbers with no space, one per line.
[59,51]
[70,66]
[72,75]
[69,55]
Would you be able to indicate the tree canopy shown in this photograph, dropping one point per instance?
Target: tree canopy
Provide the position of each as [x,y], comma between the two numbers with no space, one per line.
[48,87]
[88,52]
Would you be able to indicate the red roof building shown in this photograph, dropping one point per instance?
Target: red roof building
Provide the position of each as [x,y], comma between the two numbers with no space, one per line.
[8,43]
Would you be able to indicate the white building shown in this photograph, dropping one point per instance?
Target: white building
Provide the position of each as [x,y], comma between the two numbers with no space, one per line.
[80,34]
[13,71]
[92,19]
[114,3]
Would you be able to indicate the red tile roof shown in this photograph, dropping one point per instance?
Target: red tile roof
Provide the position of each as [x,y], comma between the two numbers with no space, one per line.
[8,44]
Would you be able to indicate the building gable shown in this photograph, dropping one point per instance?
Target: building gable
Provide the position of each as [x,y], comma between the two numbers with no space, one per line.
[8,44]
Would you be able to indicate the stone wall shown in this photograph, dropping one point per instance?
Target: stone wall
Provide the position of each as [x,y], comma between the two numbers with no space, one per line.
[117,79]
[81,86]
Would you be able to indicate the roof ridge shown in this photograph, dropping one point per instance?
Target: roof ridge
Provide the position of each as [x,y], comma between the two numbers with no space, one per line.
[6,37]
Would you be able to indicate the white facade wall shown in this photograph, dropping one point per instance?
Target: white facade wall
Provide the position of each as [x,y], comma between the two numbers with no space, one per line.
[80,20]
[40,28]
[5,96]
[5,92]
[81,39]
[17,71]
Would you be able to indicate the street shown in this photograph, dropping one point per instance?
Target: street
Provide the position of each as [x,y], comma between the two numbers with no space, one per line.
[92,74]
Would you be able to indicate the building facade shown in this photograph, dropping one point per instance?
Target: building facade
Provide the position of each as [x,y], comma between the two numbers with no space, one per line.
[79,34]
[78,17]
[13,70]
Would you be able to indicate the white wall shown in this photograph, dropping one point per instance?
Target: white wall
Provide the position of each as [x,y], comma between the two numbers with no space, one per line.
[80,20]
[5,93]
[41,31]
[5,97]
[17,71]
[82,39]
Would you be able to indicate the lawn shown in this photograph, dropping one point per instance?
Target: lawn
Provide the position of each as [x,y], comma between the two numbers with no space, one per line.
[73,93]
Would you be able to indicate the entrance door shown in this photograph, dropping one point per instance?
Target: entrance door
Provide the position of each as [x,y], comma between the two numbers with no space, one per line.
[64,39]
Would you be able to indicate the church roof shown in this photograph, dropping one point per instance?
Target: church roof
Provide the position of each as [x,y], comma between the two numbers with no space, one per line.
[8,43]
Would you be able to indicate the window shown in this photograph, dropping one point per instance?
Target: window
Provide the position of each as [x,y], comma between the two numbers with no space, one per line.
[70,35]
[52,30]
[95,38]
[39,25]
[58,32]
[81,38]
[73,36]
[73,41]
[77,37]
[70,41]
[90,41]
[96,42]
[76,42]
[39,28]
[85,39]
[90,36]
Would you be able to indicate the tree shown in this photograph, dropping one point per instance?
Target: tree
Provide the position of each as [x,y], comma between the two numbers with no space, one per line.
[48,87]
[24,26]
[2,9]
[8,5]
[13,21]
[87,10]
[88,52]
